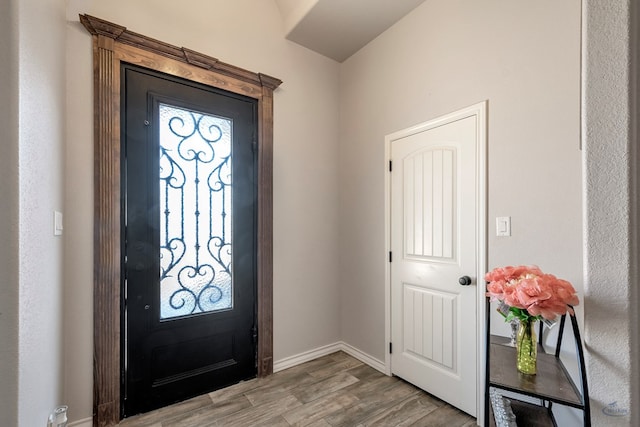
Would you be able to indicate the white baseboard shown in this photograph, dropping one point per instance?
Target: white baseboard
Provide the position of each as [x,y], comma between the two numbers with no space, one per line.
[363,357]
[297,359]
[85,422]
[291,361]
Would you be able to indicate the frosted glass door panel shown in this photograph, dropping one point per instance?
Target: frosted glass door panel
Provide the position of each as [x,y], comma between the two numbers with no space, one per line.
[195,213]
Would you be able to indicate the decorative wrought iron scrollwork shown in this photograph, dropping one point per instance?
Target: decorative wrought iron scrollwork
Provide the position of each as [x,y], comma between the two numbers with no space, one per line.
[195,198]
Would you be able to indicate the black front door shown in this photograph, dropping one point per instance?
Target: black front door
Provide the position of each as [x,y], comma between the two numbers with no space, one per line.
[189,251]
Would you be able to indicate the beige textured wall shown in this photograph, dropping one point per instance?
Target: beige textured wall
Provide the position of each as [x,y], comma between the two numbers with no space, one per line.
[611,258]
[41,143]
[31,168]
[306,311]
[524,58]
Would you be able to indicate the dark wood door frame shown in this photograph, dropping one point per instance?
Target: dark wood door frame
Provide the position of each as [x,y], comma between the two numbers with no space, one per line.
[113,44]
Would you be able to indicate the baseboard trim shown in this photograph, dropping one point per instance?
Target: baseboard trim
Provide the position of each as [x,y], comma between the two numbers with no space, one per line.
[297,359]
[363,357]
[85,422]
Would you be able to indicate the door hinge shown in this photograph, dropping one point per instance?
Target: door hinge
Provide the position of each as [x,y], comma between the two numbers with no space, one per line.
[390,348]
[390,256]
[390,166]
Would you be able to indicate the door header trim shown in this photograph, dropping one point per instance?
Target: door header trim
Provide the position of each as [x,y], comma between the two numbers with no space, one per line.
[99,27]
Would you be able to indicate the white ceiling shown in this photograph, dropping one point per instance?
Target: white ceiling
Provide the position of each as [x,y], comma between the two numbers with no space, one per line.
[339,28]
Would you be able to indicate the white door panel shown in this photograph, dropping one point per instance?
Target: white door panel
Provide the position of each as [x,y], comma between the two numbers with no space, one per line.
[433,240]
[429,203]
[429,324]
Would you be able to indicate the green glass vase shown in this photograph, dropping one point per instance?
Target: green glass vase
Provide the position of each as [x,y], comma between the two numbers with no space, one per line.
[526,347]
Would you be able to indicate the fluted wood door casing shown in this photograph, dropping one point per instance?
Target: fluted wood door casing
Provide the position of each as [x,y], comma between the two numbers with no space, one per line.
[106,236]
[112,45]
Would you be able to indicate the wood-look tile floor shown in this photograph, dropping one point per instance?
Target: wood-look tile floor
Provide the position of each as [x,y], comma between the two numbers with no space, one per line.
[334,390]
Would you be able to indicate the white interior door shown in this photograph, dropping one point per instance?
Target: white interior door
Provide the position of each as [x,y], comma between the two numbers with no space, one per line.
[434,224]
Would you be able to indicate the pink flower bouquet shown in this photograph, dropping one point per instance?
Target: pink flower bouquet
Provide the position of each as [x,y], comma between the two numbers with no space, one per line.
[530,293]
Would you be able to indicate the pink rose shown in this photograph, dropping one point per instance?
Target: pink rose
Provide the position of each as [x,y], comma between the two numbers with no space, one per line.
[528,288]
[495,290]
[565,291]
[533,290]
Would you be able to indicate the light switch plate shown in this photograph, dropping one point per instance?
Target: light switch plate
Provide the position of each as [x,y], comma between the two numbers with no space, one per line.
[503,226]
[57,223]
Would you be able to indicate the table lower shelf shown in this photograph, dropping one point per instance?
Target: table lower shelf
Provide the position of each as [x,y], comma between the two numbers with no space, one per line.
[527,415]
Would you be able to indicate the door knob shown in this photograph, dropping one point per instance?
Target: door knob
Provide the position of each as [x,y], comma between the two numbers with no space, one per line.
[465,280]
